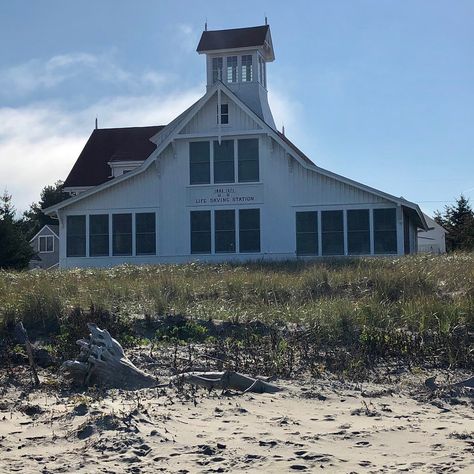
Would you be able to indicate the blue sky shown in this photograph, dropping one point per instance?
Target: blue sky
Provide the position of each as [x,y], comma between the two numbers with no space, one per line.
[379,91]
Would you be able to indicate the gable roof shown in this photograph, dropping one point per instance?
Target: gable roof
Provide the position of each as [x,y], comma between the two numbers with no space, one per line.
[110,144]
[233,39]
[173,128]
[54,228]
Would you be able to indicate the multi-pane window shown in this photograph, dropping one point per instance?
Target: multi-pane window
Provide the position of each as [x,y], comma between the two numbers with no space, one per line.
[249,230]
[385,231]
[145,233]
[247,74]
[76,236]
[46,243]
[332,232]
[201,232]
[223,116]
[216,69]
[307,233]
[199,163]
[358,232]
[224,161]
[261,71]
[99,235]
[248,166]
[231,68]
[122,234]
[224,235]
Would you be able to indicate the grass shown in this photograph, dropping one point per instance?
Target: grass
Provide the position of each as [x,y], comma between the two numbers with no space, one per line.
[358,309]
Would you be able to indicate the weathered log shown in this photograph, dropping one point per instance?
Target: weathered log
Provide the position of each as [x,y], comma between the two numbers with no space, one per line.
[102,361]
[228,380]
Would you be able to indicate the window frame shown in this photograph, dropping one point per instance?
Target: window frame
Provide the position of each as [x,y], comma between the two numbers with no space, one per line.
[247,68]
[144,233]
[216,71]
[232,71]
[114,234]
[204,231]
[46,247]
[83,236]
[259,230]
[314,233]
[90,235]
[209,162]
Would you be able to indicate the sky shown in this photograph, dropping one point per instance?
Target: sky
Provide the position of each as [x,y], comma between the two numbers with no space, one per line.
[380,91]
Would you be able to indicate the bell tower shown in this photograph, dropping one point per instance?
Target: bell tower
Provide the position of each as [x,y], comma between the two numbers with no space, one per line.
[238,58]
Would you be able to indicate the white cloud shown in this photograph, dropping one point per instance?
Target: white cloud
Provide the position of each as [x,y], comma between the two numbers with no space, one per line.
[38,75]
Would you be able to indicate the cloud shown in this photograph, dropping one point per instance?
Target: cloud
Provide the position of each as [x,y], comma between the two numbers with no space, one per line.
[38,75]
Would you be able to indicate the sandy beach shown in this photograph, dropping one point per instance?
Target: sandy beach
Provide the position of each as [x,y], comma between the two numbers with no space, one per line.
[325,424]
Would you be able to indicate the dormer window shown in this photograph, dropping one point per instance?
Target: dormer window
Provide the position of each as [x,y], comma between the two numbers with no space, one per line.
[216,69]
[247,75]
[231,68]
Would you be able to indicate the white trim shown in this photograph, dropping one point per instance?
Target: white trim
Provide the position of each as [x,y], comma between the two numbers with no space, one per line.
[39,243]
[185,118]
[45,226]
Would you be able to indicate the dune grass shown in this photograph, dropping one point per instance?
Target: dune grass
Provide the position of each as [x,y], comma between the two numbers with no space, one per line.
[389,306]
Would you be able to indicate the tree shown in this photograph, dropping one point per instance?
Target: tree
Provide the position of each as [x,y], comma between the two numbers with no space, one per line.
[34,218]
[15,250]
[458,220]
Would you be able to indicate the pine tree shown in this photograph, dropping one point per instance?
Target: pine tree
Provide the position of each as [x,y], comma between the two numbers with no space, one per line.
[15,250]
[458,220]
[34,218]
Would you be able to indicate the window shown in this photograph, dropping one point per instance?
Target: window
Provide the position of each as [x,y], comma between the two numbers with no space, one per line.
[307,233]
[224,115]
[385,231]
[46,243]
[247,75]
[249,230]
[199,163]
[231,68]
[332,232]
[99,235]
[145,233]
[261,71]
[224,222]
[122,234]
[224,161]
[216,69]
[76,236]
[201,232]
[248,160]
[358,232]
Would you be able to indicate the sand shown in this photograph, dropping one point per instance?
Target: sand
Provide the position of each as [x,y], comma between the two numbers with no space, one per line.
[326,425]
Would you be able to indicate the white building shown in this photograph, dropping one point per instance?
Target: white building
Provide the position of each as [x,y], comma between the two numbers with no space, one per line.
[221,183]
[432,240]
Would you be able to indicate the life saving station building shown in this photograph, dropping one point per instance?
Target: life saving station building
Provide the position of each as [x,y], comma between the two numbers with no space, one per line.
[221,183]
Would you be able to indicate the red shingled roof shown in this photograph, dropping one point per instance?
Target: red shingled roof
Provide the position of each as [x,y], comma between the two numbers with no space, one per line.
[235,38]
[110,144]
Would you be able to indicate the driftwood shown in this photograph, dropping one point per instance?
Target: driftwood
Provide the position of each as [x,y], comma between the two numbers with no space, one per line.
[228,380]
[22,335]
[431,384]
[102,361]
